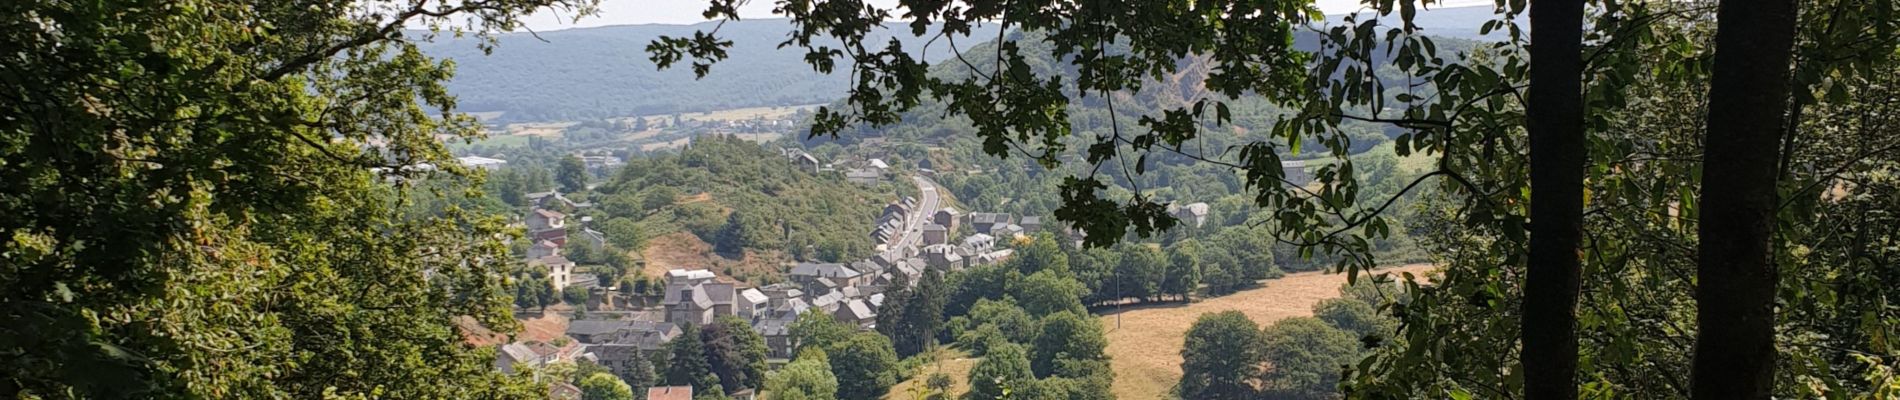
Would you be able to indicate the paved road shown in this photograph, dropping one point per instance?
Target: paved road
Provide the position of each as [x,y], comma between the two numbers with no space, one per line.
[928,203]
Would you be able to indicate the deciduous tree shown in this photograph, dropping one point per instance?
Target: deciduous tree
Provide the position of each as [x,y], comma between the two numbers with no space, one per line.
[1222,358]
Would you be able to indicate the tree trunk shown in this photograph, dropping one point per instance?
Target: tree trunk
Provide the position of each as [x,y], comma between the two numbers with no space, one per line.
[1557,163]
[1748,101]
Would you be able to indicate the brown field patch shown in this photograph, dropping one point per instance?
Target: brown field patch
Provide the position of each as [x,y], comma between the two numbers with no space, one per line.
[542,129]
[697,198]
[477,335]
[684,250]
[544,328]
[1146,346]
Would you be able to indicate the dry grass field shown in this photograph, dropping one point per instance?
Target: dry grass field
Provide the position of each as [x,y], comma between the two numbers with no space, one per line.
[1146,345]
[682,250]
[952,362]
[737,114]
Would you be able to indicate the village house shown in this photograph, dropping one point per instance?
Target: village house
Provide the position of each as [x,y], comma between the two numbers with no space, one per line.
[601,164]
[553,199]
[862,176]
[484,163]
[947,217]
[993,257]
[670,393]
[549,225]
[564,391]
[544,219]
[886,259]
[751,302]
[532,354]
[943,257]
[689,277]
[612,331]
[936,234]
[856,312]
[800,159]
[984,222]
[897,209]
[543,248]
[1006,230]
[1295,172]
[1195,213]
[613,344]
[784,303]
[1031,223]
[560,270]
[598,238]
[699,304]
[823,277]
[980,243]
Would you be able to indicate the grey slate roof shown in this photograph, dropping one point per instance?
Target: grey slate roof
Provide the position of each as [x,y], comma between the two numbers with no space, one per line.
[828,270]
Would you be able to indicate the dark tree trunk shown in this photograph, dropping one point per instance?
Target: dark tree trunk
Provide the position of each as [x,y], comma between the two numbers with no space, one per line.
[1748,102]
[1557,163]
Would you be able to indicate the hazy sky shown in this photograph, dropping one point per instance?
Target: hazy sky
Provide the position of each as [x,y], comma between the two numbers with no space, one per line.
[625,12]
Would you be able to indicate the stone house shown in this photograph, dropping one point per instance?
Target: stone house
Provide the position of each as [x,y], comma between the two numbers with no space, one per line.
[936,234]
[984,222]
[1031,223]
[670,393]
[543,248]
[947,217]
[699,304]
[822,277]
[1193,213]
[943,257]
[856,312]
[544,219]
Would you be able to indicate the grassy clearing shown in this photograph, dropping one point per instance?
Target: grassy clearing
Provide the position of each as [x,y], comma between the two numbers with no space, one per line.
[950,361]
[1414,163]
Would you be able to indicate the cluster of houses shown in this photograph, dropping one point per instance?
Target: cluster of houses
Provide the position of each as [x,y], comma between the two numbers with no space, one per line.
[548,234]
[847,292]
[891,224]
[866,172]
[850,293]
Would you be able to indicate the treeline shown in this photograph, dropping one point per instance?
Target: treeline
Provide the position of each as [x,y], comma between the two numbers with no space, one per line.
[1228,356]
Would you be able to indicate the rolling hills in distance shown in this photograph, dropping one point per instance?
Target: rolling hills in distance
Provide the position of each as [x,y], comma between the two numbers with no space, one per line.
[604,72]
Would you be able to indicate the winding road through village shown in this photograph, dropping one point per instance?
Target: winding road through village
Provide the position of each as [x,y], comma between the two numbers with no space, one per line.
[927,203]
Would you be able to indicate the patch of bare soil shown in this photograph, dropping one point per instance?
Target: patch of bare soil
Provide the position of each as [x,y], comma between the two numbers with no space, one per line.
[544,328]
[683,250]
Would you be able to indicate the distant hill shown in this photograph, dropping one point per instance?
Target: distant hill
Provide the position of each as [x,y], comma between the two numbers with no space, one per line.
[602,72]
[1453,22]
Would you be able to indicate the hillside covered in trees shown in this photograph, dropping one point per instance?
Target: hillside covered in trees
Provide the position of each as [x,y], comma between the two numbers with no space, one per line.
[742,196]
[603,72]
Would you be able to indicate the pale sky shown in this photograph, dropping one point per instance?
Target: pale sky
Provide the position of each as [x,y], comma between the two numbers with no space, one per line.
[682,12]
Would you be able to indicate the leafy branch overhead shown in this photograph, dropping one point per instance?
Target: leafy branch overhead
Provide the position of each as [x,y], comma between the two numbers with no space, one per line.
[1020,106]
